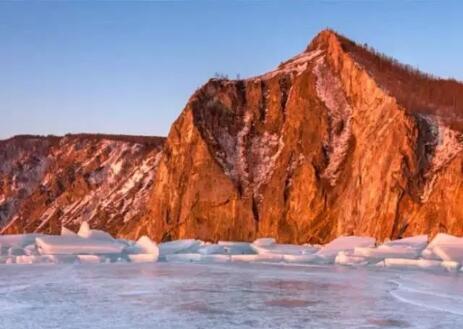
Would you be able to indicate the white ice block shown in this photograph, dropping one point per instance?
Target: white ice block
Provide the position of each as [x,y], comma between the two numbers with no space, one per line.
[143,258]
[148,246]
[237,248]
[264,242]
[183,258]
[284,249]
[213,249]
[72,245]
[179,246]
[346,258]
[18,240]
[385,251]
[344,243]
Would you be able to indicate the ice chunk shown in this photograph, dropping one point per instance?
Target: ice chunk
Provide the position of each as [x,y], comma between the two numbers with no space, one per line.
[346,258]
[439,240]
[257,258]
[67,232]
[213,249]
[215,258]
[284,249]
[18,240]
[91,259]
[32,259]
[183,258]
[84,229]
[386,251]
[451,266]
[178,246]
[143,258]
[148,246]
[264,242]
[302,259]
[31,250]
[402,263]
[344,243]
[418,242]
[71,245]
[16,251]
[450,251]
[237,248]
[87,233]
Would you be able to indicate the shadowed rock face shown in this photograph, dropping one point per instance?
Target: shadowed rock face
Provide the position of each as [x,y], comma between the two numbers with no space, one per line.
[315,149]
[46,182]
[325,145]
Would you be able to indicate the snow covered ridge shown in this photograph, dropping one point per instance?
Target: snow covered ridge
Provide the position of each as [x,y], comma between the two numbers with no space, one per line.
[444,253]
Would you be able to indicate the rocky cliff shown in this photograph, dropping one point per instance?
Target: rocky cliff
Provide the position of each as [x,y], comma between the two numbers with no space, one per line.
[46,182]
[336,140]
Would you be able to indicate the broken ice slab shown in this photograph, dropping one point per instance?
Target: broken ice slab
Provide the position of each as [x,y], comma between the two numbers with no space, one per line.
[418,242]
[385,251]
[18,240]
[284,249]
[143,258]
[73,245]
[423,264]
[264,242]
[213,249]
[439,240]
[179,246]
[303,259]
[272,258]
[344,243]
[346,258]
[237,248]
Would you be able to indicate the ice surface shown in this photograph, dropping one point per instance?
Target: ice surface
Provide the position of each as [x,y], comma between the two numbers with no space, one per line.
[71,245]
[228,296]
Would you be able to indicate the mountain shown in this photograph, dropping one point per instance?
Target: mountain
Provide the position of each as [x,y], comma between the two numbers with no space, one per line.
[337,140]
[46,182]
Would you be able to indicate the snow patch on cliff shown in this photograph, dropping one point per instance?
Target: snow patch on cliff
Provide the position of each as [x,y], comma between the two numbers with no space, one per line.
[329,90]
[447,144]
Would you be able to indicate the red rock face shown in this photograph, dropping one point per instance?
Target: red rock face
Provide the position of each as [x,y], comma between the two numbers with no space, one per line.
[46,182]
[336,140]
[324,145]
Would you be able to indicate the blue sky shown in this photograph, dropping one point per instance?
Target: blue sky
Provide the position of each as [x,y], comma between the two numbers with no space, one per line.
[129,67]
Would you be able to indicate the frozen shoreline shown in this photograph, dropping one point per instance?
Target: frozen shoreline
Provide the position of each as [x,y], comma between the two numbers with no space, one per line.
[444,253]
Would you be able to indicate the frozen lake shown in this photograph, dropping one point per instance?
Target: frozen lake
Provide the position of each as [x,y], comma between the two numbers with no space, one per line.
[163,295]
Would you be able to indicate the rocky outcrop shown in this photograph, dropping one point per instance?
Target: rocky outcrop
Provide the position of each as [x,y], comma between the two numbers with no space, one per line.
[320,147]
[337,140]
[46,182]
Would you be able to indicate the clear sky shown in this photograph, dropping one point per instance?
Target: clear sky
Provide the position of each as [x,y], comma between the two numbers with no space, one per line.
[129,67]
